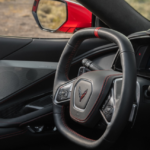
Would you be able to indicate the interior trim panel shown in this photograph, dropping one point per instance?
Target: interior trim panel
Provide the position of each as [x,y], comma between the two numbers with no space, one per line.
[15,75]
[50,49]
[10,45]
[28,64]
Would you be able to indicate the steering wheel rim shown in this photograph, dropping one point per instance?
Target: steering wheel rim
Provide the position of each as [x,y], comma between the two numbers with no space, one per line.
[123,108]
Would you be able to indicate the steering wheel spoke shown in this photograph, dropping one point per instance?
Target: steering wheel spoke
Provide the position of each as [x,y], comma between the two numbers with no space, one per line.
[63,93]
[108,107]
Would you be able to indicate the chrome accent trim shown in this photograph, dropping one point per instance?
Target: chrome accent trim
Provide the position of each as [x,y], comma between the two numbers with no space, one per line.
[54,129]
[137,100]
[34,107]
[137,92]
[104,118]
[132,112]
[115,84]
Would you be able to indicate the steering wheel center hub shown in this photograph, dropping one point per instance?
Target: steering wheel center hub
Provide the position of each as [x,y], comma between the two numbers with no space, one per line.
[88,94]
[82,94]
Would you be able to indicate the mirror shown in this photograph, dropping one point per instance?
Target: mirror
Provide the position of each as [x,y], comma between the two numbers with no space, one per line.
[52,14]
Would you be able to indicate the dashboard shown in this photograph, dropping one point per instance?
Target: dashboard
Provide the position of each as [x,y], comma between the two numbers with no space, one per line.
[141,45]
[110,59]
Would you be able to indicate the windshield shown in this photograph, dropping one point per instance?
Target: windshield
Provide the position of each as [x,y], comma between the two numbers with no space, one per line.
[142,6]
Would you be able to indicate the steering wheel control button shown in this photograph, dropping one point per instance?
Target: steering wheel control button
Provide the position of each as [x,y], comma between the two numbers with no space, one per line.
[108,107]
[64,92]
[62,95]
[104,105]
[82,93]
[81,71]
[108,112]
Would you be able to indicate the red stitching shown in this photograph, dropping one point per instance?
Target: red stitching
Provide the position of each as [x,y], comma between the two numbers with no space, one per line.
[63,120]
[71,56]
[35,119]
[27,121]
[13,134]
[97,101]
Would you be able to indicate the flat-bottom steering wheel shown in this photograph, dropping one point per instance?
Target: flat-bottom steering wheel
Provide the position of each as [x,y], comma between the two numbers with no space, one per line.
[88,92]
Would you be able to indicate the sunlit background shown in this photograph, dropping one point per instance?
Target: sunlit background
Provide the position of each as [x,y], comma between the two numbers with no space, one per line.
[142,6]
[52,14]
[16,18]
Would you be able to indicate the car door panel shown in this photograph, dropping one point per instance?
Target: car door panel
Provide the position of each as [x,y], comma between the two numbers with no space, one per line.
[9,45]
[15,75]
[50,49]
[26,119]
[10,132]
[27,73]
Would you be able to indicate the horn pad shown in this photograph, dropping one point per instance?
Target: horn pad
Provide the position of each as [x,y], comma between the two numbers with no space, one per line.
[82,94]
[88,94]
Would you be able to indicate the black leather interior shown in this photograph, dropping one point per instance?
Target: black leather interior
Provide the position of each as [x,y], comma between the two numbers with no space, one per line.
[101,82]
[22,86]
[10,45]
[45,49]
[123,106]
[17,53]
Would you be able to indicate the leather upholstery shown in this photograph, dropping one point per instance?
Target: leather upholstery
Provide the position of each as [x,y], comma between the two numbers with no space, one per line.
[101,83]
[123,106]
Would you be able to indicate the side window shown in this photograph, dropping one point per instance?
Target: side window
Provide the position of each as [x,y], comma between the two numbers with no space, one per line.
[142,6]
[16,19]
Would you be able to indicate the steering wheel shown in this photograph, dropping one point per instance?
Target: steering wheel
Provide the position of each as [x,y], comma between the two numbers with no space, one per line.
[87,93]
